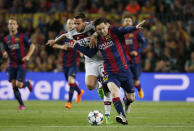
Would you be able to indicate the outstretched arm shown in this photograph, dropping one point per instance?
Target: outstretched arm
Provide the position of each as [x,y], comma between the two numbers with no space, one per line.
[128,29]
[52,42]
[63,47]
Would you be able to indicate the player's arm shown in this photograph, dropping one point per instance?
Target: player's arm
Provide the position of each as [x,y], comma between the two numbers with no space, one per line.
[90,52]
[128,29]
[142,39]
[3,49]
[93,40]
[63,47]
[29,54]
[52,42]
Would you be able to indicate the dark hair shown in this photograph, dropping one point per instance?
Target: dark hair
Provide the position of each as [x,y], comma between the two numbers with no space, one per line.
[99,21]
[127,16]
[80,16]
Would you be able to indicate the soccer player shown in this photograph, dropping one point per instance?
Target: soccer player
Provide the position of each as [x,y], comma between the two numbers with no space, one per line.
[71,60]
[134,45]
[109,42]
[18,47]
[93,66]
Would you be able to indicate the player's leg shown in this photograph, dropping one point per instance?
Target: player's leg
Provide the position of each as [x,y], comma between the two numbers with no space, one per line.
[12,78]
[71,80]
[107,95]
[71,89]
[20,82]
[107,107]
[91,77]
[127,85]
[128,99]
[136,77]
[115,92]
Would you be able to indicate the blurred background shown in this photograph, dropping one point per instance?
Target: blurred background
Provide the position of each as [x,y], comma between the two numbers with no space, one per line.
[169,29]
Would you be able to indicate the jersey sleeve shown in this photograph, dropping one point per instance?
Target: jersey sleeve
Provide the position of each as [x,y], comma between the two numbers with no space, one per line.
[69,34]
[122,30]
[90,52]
[3,44]
[27,41]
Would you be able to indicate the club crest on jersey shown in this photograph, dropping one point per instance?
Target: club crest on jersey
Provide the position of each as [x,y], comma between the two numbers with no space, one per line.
[108,37]
[17,39]
[131,35]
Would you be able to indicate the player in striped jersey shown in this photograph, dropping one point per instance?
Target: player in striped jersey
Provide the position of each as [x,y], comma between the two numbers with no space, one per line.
[19,48]
[71,61]
[134,45]
[109,42]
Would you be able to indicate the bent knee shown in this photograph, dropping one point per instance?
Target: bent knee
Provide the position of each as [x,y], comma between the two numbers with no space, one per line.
[90,87]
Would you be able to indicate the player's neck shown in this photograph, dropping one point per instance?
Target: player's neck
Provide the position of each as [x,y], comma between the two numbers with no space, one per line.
[13,33]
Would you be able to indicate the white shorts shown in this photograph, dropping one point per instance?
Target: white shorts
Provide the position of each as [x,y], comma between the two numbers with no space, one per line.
[94,68]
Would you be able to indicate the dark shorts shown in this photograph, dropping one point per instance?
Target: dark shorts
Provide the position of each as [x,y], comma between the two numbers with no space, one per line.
[70,71]
[136,70]
[122,79]
[16,73]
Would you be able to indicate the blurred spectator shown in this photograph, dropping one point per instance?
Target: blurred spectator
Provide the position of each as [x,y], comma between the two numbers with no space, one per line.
[133,7]
[189,65]
[169,29]
[17,8]
[28,7]
[149,63]
[57,6]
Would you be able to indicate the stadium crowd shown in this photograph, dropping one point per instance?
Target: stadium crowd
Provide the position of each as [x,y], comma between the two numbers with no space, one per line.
[169,29]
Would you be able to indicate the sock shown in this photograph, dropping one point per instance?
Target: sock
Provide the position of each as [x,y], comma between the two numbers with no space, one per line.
[127,101]
[118,106]
[107,103]
[26,84]
[71,91]
[138,87]
[18,95]
[74,85]
[107,107]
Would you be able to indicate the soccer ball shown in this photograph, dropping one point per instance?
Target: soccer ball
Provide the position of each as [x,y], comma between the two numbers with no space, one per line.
[95,118]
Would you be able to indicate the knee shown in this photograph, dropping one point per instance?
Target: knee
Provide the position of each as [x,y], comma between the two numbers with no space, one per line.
[90,86]
[136,82]
[71,80]
[19,84]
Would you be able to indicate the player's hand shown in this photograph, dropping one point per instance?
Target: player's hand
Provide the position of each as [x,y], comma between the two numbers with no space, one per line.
[139,26]
[51,42]
[5,55]
[64,47]
[93,41]
[71,43]
[134,53]
[26,58]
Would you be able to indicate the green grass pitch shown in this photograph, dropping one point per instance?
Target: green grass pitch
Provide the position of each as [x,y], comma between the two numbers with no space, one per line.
[51,116]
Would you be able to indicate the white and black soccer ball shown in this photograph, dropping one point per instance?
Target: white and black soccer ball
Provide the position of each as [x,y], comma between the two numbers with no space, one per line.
[95,118]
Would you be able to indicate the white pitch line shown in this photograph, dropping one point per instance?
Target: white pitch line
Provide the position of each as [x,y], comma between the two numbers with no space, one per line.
[128,126]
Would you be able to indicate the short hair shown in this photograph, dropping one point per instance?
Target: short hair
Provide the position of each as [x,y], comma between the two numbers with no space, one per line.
[81,16]
[12,18]
[127,16]
[99,21]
